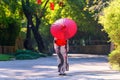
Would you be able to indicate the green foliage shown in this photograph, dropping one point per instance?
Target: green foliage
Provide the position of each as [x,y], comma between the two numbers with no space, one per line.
[9,31]
[27,54]
[75,9]
[96,6]
[4,57]
[9,22]
[78,10]
[111,21]
[111,24]
[114,58]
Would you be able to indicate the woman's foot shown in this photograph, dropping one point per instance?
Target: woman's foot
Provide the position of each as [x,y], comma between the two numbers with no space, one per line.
[62,74]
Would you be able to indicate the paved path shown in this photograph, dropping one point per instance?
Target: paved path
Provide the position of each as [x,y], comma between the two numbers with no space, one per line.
[82,67]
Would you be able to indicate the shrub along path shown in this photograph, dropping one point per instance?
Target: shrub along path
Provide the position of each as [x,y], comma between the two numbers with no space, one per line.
[82,67]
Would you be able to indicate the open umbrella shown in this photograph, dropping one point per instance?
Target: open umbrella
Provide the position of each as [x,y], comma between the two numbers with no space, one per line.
[63,28]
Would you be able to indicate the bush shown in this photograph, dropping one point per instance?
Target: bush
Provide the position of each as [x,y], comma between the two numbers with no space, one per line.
[114,58]
[111,21]
[111,24]
[4,57]
[27,54]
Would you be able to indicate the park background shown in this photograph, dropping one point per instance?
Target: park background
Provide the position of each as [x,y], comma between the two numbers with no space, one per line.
[25,27]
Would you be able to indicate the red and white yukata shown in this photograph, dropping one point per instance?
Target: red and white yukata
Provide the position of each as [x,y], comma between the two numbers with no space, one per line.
[62,55]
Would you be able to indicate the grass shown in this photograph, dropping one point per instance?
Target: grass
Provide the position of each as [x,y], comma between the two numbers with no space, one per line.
[5,57]
[22,55]
[28,54]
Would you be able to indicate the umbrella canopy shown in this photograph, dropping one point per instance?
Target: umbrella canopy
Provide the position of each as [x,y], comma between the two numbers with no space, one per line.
[63,28]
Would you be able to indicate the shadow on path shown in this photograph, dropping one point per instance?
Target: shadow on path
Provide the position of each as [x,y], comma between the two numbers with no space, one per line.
[82,67]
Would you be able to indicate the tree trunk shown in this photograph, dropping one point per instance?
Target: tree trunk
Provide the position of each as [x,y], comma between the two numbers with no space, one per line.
[38,39]
[28,42]
[30,25]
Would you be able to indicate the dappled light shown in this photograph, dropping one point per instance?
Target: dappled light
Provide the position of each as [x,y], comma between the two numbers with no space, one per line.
[82,67]
[22,73]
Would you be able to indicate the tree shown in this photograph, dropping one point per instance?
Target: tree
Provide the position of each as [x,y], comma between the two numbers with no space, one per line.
[40,15]
[9,24]
[82,13]
[96,7]
[111,23]
[31,12]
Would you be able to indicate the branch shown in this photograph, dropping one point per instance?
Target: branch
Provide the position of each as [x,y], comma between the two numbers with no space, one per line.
[42,11]
[27,2]
[24,7]
[38,21]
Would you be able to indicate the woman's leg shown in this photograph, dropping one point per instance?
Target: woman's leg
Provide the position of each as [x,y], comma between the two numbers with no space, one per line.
[61,63]
[60,60]
[64,60]
[66,65]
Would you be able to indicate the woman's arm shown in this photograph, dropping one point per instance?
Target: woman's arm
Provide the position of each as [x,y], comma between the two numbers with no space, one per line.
[67,45]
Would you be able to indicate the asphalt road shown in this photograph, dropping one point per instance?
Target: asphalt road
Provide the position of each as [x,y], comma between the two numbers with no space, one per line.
[82,67]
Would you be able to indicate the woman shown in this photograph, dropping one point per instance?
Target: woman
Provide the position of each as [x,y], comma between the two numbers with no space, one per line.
[61,48]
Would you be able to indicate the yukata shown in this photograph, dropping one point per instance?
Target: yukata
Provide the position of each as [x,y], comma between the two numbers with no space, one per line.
[62,56]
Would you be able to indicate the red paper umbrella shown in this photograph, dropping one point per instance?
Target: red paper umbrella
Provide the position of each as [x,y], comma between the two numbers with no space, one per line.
[63,28]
